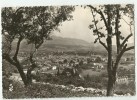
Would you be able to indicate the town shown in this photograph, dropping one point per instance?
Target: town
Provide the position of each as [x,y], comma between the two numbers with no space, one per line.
[68,51]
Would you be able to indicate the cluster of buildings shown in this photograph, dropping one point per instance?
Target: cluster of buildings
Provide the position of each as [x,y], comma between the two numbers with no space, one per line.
[52,62]
[130,59]
[122,80]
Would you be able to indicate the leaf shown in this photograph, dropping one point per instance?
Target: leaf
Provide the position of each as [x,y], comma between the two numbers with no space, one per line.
[113,23]
[25,21]
[102,35]
[91,26]
[95,31]
[96,40]
[119,26]
[96,22]
[121,37]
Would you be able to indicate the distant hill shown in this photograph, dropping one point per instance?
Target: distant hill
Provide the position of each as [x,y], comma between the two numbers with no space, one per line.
[67,41]
[66,44]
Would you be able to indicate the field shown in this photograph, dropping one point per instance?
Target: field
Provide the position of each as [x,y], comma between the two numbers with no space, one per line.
[91,77]
[92,72]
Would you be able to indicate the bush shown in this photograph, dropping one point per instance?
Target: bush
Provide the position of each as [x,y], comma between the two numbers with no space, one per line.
[41,91]
[125,88]
[6,82]
[42,77]
[90,81]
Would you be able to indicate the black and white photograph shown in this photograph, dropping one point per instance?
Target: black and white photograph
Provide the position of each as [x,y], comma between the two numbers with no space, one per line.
[67,51]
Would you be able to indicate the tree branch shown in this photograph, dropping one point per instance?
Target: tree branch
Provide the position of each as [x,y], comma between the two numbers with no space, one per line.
[120,55]
[17,48]
[117,31]
[129,48]
[32,67]
[103,44]
[18,10]
[14,15]
[102,15]
[7,58]
[39,44]
[122,44]
[126,22]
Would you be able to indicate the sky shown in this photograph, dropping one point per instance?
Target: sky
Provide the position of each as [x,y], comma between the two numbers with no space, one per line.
[78,28]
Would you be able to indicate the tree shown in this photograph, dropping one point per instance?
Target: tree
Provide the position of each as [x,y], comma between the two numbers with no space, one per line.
[98,59]
[110,16]
[33,24]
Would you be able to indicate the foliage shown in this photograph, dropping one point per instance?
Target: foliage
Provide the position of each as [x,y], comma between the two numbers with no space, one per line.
[109,16]
[34,24]
[41,91]
[98,59]
[125,88]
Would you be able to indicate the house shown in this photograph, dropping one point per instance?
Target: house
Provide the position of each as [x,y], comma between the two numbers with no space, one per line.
[127,59]
[122,80]
[104,59]
[70,72]
[97,66]
[54,67]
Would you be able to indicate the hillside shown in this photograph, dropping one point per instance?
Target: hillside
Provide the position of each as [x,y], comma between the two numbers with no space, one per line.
[66,44]
[60,44]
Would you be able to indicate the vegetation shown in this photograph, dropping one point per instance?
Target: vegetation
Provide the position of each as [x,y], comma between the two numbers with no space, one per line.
[33,24]
[42,91]
[66,67]
[111,15]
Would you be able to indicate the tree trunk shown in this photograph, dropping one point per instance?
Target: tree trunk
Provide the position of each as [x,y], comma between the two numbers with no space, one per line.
[110,68]
[29,76]
[110,87]
[32,67]
[58,72]
[22,74]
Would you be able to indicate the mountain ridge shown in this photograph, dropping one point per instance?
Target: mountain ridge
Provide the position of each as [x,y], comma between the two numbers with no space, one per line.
[66,44]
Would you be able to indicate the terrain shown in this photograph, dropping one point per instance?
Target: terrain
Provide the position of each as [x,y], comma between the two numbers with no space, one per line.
[92,69]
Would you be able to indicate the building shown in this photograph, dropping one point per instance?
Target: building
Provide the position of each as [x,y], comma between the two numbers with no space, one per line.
[97,66]
[122,80]
[54,67]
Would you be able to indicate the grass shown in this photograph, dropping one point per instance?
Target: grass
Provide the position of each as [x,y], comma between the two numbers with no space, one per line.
[91,72]
[37,90]
[41,91]
[126,88]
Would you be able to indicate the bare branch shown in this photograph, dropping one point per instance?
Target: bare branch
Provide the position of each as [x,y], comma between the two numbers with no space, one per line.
[122,44]
[127,24]
[7,58]
[120,55]
[117,31]
[103,44]
[129,48]
[17,48]
[102,15]
[125,21]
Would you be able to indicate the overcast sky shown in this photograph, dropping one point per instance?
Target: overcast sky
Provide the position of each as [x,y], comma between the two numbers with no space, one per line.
[78,28]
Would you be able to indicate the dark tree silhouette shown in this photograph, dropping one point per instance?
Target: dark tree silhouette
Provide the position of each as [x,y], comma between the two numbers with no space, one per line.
[33,24]
[110,16]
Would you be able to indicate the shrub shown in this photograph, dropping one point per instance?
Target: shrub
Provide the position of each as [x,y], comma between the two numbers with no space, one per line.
[6,82]
[125,88]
